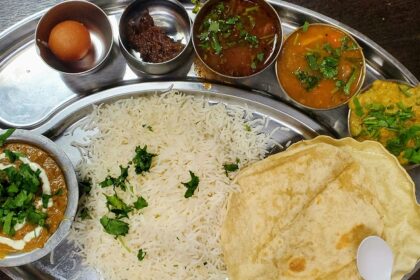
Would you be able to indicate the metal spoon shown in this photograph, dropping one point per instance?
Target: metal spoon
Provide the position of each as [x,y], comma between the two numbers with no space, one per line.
[374,259]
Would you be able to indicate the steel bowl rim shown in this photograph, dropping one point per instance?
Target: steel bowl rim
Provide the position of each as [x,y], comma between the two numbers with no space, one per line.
[363,69]
[362,91]
[61,159]
[109,29]
[273,57]
[125,50]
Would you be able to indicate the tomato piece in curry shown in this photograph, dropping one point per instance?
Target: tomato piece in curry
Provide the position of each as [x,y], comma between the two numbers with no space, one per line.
[320,66]
[237,37]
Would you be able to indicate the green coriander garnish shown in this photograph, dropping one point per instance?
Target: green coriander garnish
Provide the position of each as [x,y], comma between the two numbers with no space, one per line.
[117,206]
[118,182]
[140,203]
[141,254]
[84,214]
[351,80]
[231,167]
[305,26]
[404,89]
[308,81]
[142,160]
[114,227]
[358,107]
[191,185]
[6,135]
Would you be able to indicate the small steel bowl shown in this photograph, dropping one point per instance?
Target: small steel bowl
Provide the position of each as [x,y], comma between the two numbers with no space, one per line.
[363,90]
[98,25]
[329,108]
[277,44]
[45,144]
[172,17]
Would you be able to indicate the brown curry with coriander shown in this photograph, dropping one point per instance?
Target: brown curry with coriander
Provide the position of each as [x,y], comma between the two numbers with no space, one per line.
[320,66]
[237,37]
[33,198]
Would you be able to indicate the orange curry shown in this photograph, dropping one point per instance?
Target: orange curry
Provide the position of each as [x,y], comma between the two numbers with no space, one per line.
[320,66]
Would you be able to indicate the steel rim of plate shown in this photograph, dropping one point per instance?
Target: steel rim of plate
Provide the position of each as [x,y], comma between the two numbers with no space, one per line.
[42,142]
[54,126]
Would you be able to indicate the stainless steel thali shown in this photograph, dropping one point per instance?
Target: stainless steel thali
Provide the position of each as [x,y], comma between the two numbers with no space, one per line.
[35,97]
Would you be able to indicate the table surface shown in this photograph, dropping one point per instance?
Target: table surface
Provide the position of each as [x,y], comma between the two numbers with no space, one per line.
[393,24]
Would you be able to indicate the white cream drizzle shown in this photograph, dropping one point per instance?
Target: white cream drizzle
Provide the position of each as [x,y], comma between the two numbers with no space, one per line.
[46,189]
[20,244]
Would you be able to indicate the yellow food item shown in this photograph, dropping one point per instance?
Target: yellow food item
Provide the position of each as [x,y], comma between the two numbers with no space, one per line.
[69,40]
[385,111]
[301,214]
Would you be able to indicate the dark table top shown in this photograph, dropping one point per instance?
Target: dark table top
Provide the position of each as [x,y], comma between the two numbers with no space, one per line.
[393,24]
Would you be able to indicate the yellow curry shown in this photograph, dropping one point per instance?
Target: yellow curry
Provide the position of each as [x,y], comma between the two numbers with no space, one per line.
[389,112]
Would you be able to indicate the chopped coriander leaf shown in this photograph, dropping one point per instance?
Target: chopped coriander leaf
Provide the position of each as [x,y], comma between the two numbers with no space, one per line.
[36,217]
[12,156]
[351,80]
[412,155]
[253,65]
[305,26]
[230,167]
[117,206]
[329,67]
[197,6]
[118,182]
[347,45]
[148,127]
[252,39]
[307,81]
[247,127]
[6,135]
[191,185]
[140,203]
[45,199]
[85,186]
[214,26]
[405,90]
[141,254]
[21,198]
[232,20]
[312,60]
[114,227]
[339,84]
[260,56]
[214,42]
[84,214]
[358,107]
[59,192]
[251,9]
[142,160]
[7,225]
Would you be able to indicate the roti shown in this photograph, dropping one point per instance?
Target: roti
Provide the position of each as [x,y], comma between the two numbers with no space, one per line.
[302,213]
